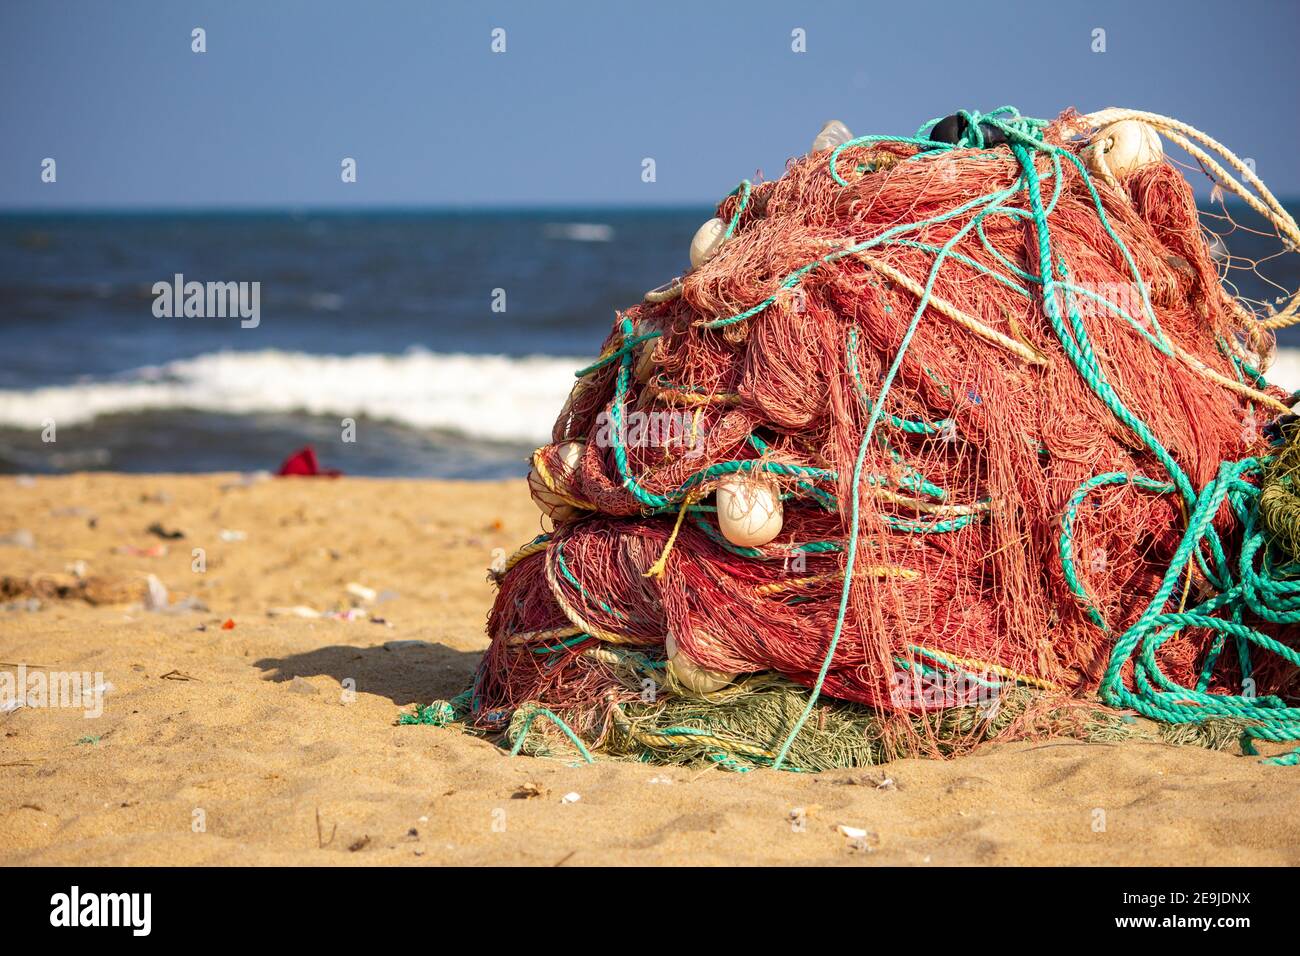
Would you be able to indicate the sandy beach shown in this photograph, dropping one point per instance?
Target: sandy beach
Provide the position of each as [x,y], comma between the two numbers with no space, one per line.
[235,732]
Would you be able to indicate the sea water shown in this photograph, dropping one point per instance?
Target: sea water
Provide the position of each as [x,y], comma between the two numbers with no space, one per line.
[448,339]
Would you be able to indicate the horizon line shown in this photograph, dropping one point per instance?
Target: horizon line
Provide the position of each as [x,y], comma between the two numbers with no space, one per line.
[304,209]
[313,208]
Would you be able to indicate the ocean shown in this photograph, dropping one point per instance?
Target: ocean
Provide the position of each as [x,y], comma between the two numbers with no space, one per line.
[449,339]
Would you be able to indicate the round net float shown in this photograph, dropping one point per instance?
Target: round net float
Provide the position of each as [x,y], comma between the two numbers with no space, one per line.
[1123,147]
[552,480]
[833,134]
[690,675]
[750,513]
[548,502]
[707,241]
[669,290]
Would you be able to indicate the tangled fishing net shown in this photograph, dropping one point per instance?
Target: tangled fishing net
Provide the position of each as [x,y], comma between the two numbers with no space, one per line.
[944,438]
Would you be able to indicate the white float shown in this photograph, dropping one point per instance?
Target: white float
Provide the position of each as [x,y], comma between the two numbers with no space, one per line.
[833,134]
[547,501]
[750,513]
[691,675]
[1124,147]
[707,242]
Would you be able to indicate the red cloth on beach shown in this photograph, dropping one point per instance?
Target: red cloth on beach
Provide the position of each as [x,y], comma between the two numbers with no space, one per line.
[303,462]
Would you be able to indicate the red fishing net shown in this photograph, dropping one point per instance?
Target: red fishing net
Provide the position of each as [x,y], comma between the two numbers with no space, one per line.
[987,430]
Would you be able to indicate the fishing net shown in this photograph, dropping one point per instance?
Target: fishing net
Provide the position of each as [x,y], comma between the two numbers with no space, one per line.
[1014,432]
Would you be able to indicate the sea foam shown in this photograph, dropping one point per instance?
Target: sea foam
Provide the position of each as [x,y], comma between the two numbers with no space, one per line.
[487,397]
[491,397]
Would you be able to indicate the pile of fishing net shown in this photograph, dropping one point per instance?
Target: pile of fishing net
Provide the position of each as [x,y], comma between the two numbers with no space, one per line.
[942,438]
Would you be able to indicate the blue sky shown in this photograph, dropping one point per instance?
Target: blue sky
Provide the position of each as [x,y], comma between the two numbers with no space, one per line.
[584,92]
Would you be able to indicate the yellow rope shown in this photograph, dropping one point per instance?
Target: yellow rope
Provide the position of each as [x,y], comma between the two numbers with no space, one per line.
[523,637]
[603,655]
[524,552]
[1181,134]
[572,613]
[1265,203]
[1031,354]
[678,396]
[660,739]
[1238,387]
[944,307]
[876,570]
[776,587]
[669,290]
[970,664]
[927,506]
[549,480]
[657,569]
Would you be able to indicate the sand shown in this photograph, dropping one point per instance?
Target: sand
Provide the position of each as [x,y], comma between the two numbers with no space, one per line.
[273,741]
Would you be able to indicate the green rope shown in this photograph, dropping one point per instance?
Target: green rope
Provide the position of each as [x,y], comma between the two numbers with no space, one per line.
[1155,695]
[744,189]
[1171,703]
[532,714]
[876,409]
[440,713]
